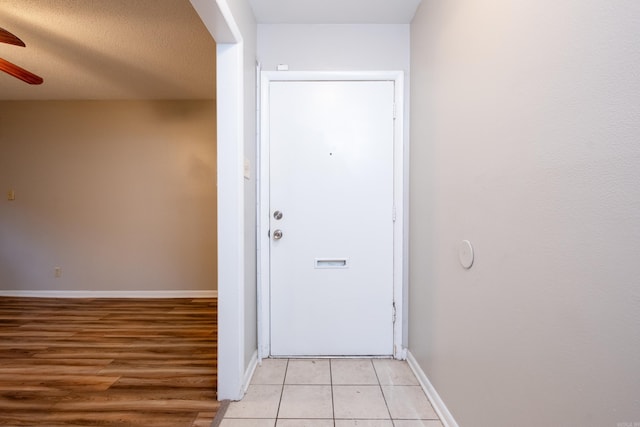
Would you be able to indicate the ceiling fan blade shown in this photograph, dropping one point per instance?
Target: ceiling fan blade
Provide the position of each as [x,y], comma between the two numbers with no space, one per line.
[21,73]
[7,37]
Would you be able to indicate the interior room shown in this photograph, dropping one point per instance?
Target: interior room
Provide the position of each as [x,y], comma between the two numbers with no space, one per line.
[108,234]
[519,299]
[111,162]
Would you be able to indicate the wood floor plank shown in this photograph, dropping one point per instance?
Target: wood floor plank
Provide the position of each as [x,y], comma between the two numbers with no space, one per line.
[28,363]
[124,354]
[130,382]
[148,400]
[108,362]
[103,419]
[12,382]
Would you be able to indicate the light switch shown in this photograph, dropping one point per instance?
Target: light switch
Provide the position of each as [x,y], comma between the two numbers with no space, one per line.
[11,195]
[247,169]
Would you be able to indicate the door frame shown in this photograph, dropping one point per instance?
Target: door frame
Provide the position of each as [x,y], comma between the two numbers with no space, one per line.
[399,163]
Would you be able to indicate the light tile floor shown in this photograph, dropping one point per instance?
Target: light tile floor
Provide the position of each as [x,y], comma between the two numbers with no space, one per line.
[332,393]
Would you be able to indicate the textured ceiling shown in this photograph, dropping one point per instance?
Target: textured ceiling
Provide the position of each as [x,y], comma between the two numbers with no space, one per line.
[108,49]
[334,11]
[145,49]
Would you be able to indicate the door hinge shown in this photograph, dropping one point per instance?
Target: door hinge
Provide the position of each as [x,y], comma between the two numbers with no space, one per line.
[393,214]
[394,111]
[393,316]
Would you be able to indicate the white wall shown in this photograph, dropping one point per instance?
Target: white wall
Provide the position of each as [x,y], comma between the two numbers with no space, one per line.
[525,140]
[119,194]
[246,21]
[243,16]
[232,24]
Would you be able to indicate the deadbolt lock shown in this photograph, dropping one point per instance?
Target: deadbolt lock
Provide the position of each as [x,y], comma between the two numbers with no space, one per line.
[277,215]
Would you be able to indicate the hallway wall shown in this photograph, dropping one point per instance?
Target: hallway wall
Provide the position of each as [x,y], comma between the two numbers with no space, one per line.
[334,47]
[525,140]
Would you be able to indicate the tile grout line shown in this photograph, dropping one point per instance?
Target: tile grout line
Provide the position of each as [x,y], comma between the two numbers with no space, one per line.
[284,381]
[333,406]
[383,395]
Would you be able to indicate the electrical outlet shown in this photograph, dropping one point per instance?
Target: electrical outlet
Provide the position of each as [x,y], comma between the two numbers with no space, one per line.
[57,272]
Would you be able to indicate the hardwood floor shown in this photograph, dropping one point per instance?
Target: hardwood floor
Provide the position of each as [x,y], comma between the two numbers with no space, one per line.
[108,362]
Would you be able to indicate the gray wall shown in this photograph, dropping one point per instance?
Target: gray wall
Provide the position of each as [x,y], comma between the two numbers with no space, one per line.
[525,140]
[119,194]
[334,47]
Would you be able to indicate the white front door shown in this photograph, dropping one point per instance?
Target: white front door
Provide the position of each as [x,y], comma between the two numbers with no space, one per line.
[331,201]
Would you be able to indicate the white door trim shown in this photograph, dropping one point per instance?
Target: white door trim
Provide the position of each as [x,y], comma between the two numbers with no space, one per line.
[263,293]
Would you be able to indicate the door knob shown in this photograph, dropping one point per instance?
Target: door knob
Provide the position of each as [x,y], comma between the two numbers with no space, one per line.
[277,235]
[277,215]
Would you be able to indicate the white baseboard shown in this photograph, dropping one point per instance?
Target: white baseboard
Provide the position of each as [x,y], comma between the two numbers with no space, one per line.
[110,294]
[248,374]
[439,406]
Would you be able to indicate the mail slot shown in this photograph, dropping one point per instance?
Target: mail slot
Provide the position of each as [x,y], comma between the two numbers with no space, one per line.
[331,263]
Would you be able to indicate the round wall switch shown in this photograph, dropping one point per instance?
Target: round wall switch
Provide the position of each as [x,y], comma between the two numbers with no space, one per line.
[465,253]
